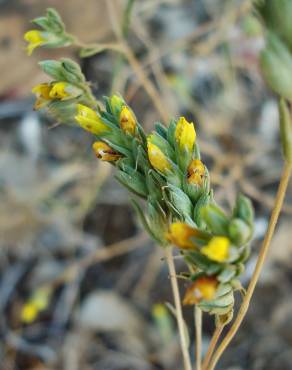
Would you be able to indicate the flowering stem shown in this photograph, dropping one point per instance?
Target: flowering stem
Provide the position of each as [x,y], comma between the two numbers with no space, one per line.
[212,346]
[198,323]
[177,303]
[260,262]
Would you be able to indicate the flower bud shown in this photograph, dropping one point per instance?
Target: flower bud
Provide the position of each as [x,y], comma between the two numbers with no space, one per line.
[105,152]
[185,134]
[196,172]
[116,103]
[217,249]
[157,159]
[204,288]
[128,121]
[90,121]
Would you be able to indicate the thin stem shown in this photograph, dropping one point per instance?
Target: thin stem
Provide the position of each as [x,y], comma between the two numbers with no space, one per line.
[135,64]
[260,262]
[147,83]
[177,303]
[198,323]
[212,346]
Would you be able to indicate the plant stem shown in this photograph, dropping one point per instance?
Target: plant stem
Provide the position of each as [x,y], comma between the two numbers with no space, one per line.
[286,173]
[198,323]
[212,346]
[135,64]
[177,303]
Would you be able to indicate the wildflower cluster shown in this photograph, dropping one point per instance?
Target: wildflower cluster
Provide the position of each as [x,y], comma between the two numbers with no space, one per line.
[51,32]
[67,88]
[37,303]
[166,171]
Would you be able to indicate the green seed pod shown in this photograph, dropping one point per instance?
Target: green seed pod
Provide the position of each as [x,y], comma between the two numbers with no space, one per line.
[276,65]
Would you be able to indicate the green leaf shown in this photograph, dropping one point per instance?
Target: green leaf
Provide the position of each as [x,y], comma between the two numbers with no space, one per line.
[53,68]
[276,65]
[92,50]
[55,20]
[72,71]
[180,201]
[143,220]
[239,231]
[134,182]
[215,219]
[200,204]
[244,210]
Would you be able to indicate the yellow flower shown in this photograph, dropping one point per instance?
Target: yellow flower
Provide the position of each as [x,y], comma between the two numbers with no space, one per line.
[105,152]
[180,235]
[42,92]
[157,159]
[59,90]
[29,313]
[196,172]
[217,249]
[204,288]
[34,38]
[90,120]
[185,134]
[127,120]
[159,310]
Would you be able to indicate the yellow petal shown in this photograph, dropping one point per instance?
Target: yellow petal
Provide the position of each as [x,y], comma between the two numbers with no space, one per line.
[196,172]
[185,134]
[204,288]
[105,152]
[157,159]
[127,120]
[90,121]
[29,313]
[42,91]
[58,90]
[34,38]
[217,249]
[180,235]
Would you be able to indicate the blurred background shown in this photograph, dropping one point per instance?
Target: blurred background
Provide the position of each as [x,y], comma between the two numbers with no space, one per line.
[70,241]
